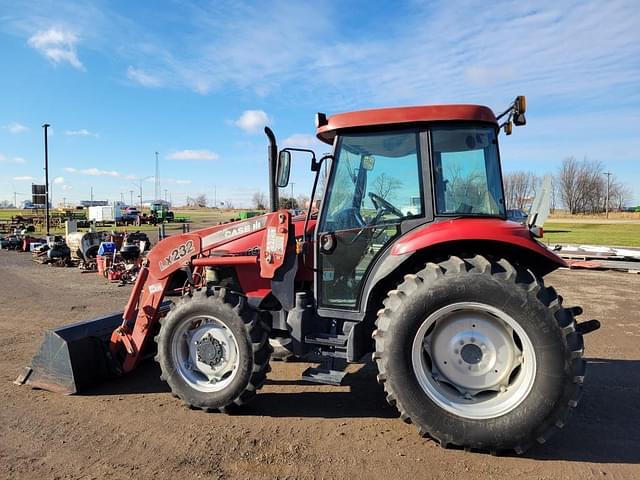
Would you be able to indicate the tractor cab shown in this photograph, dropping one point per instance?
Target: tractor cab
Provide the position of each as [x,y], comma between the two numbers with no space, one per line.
[391,171]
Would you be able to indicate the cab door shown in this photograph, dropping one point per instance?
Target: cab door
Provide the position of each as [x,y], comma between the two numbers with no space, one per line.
[375,185]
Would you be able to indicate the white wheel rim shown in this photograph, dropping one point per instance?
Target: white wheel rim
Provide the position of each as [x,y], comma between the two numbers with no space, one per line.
[473,360]
[205,353]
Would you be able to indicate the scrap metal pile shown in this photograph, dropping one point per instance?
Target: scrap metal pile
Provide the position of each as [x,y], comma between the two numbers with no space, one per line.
[116,256]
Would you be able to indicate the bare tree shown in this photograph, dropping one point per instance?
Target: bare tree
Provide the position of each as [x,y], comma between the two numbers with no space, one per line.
[200,200]
[620,195]
[259,200]
[568,179]
[386,185]
[303,201]
[519,189]
[582,187]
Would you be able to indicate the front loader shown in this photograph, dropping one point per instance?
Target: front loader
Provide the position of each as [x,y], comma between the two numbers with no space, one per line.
[409,258]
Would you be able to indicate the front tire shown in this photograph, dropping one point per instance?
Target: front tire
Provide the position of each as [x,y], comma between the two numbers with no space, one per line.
[479,355]
[213,350]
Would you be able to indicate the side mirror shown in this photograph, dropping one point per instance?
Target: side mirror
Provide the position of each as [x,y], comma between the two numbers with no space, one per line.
[515,115]
[283,168]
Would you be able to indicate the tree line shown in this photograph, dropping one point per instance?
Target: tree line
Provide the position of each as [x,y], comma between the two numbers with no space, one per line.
[578,186]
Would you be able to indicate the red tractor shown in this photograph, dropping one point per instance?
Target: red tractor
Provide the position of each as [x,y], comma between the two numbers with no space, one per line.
[410,259]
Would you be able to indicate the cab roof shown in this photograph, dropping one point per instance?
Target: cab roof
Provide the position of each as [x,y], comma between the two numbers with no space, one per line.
[403,115]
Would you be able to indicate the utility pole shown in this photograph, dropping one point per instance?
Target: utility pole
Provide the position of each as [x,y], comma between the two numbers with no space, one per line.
[292,184]
[91,199]
[608,174]
[215,196]
[165,194]
[131,193]
[157,192]
[141,195]
[46,175]
[15,199]
[121,197]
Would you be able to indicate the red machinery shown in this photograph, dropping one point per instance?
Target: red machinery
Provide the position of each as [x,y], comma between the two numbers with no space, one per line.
[409,257]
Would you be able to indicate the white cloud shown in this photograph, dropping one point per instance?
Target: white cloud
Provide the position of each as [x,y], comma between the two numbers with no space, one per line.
[183,182]
[252,121]
[15,128]
[58,180]
[193,155]
[16,160]
[83,132]
[143,78]
[24,178]
[93,172]
[58,45]
[66,187]
[303,140]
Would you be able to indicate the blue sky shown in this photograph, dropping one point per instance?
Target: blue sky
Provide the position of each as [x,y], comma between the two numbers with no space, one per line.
[119,81]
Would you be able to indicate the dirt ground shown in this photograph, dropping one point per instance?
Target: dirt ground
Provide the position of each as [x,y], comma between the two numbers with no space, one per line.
[133,427]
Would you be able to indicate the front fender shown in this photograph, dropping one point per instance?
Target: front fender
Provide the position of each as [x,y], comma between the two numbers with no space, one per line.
[474,229]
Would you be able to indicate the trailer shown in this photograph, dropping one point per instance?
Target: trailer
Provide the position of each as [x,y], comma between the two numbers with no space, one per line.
[105,214]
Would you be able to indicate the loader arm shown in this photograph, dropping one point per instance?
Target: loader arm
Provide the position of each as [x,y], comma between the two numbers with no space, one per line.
[193,252]
[73,357]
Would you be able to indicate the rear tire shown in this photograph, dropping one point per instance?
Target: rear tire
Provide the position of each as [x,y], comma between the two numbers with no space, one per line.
[213,350]
[516,390]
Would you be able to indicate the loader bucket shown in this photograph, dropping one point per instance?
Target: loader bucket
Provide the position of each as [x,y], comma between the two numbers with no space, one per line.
[73,357]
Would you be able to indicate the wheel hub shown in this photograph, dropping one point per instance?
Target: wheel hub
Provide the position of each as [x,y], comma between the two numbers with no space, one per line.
[473,359]
[206,353]
[209,351]
[471,353]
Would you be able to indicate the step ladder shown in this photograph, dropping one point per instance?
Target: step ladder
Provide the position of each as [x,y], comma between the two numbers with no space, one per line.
[333,350]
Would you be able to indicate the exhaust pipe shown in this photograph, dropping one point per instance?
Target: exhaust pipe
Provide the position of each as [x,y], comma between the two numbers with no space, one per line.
[273,161]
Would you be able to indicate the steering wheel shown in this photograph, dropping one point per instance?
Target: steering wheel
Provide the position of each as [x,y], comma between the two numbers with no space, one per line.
[383,205]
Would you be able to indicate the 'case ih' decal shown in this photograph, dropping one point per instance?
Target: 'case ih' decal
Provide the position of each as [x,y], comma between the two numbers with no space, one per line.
[235,230]
[176,254]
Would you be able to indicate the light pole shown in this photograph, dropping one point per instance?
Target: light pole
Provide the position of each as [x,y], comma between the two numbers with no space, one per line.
[46,175]
[131,193]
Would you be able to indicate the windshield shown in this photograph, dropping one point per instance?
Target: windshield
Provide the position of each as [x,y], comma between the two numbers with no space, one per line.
[376,180]
[466,171]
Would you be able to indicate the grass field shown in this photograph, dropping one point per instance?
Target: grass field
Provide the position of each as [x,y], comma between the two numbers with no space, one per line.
[618,231]
[197,218]
[612,234]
